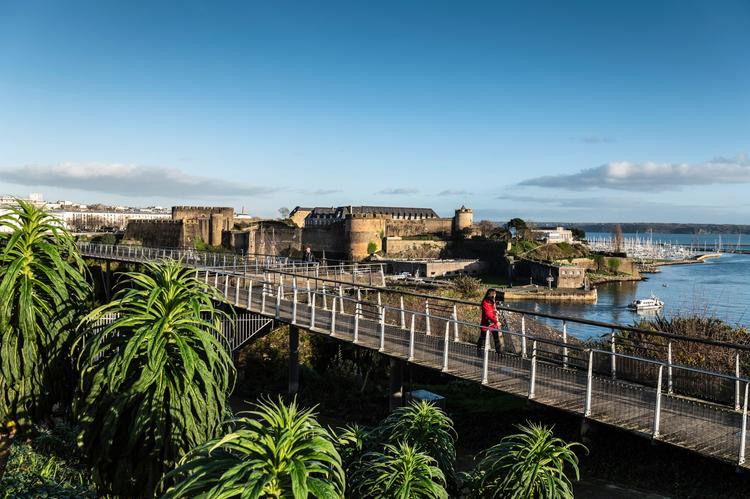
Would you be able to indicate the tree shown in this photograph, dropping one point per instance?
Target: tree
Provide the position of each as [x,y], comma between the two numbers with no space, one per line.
[518,225]
[423,425]
[43,283]
[486,227]
[400,472]
[284,212]
[276,451]
[526,465]
[617,239]
[155,380]
[578,233]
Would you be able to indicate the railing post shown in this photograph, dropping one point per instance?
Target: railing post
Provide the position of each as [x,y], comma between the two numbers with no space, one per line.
[206,279]
[657,409]
[532,377]
[380,301]
[325,298]
[341,298]
[486,360]
[333,316]
[216,279]
[402,312]
[523,336]
[613,349]
[455,323]
[669,367]
[565,343]
[589,384]
[281,284]
[226,287]
[237,292]
[263,299]
[382,276]
[382,329]
[250,294]
[743,431]
[312,312]
[737,382]
[294,305]
[411,339]
[446,342]
[356,323]
[278,302]
[309,291]
[427,317]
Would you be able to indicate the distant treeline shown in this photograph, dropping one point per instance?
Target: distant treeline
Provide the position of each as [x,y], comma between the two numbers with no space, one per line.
[662,228]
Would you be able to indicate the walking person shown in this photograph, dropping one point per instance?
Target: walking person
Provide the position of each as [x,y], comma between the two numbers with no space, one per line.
[489,321]
[308,256]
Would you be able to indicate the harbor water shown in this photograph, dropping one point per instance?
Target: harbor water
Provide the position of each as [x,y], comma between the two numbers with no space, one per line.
[720,287]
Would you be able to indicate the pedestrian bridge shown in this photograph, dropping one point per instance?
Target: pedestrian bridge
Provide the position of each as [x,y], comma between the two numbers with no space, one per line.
[627,380]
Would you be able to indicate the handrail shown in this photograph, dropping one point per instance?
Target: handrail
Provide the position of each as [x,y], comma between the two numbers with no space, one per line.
[503,307]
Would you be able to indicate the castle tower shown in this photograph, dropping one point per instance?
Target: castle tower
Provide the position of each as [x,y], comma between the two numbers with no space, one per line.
[463,218]
[361,231]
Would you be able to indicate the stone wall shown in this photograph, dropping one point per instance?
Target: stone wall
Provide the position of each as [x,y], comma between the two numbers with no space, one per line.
[361,231]
[329,239]
[565,276]
[413,248]
[405,228]
[155,233]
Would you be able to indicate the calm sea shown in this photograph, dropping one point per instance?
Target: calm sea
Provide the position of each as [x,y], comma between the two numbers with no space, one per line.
[720,287]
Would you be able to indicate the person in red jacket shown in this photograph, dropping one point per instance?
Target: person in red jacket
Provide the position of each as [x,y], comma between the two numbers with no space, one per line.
[489,322]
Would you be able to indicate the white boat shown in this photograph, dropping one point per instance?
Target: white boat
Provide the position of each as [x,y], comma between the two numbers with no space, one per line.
[642,304]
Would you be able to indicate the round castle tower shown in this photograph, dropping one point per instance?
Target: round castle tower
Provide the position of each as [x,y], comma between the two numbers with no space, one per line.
[463,218]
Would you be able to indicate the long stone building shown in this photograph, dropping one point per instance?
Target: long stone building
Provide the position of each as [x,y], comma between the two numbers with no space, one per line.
[351,232]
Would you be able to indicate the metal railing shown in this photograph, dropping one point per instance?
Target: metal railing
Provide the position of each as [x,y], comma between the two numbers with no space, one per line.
[694,408]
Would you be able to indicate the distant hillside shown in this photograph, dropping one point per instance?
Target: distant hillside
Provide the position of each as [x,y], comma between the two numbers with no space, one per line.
[663,228]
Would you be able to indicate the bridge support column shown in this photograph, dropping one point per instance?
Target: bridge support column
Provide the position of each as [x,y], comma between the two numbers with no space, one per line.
[396,398]
[108,281]
[293,359]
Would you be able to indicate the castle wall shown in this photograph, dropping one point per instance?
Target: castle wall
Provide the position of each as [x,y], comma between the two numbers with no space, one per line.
[406,228]
[330,238]
[155,233]
[413,248]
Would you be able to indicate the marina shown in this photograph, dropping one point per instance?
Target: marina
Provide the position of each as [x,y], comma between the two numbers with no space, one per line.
[717,287]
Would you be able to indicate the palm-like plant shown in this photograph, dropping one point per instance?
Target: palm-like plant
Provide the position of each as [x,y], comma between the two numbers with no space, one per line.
[351,442]
[424,425]
[526,465]
[398,472]
[43,287]
[276,451]
[155,380]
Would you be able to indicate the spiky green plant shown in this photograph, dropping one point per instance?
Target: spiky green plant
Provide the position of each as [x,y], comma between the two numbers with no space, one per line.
[275,451]
[155,381]
[424,425]
[398,472]
[43,285]
[529,464]
[351,441]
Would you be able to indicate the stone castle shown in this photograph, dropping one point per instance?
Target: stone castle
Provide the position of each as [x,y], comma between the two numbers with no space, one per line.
[350,232]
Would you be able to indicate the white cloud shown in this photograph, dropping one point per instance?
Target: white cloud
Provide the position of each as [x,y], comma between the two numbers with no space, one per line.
[650,176]
[401,191]
[128,180]
[454,192]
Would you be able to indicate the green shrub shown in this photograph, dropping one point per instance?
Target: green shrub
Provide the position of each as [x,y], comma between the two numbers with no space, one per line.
[399,472]
[525,465]
[278,450]
[371,247]
[466,286]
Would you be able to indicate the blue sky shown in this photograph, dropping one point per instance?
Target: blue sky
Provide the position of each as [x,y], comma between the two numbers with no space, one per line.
[575,111]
